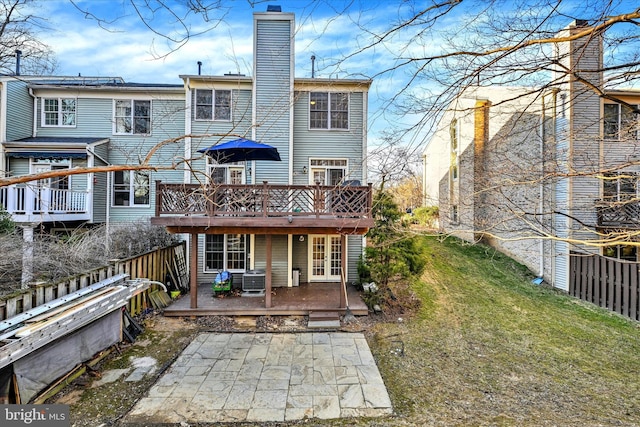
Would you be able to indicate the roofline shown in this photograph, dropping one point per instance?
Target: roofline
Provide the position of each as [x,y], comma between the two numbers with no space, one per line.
[109,88]
[297,80]
[233,78]
[328,81]
[16,145]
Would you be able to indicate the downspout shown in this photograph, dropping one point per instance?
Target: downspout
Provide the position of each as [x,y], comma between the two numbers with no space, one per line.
[187,155]
[3,127]
[34,131]
[187,130]
[541,189]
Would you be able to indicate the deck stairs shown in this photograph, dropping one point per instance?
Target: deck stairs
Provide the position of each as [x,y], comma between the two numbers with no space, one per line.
[324,320]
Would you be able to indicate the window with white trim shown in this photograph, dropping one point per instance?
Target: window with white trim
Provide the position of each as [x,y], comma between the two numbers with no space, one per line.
[130,188]
[225,173]
[59,112]
[212,104]
[621,122]
[224,252]
[328,110]
[132,117]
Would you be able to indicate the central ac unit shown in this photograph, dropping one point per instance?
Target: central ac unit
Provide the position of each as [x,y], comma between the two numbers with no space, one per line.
[253,282]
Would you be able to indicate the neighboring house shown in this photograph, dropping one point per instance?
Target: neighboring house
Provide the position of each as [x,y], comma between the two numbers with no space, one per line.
[540,174]
[298,214]
[57,124]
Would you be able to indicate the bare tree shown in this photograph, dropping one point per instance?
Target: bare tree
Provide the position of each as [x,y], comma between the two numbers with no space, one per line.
[20,41]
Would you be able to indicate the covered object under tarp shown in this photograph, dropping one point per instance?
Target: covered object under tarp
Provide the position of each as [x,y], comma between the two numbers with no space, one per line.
[37,370]
[45,343]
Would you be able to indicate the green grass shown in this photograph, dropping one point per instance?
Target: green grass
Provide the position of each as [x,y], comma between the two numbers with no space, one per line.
[490,348]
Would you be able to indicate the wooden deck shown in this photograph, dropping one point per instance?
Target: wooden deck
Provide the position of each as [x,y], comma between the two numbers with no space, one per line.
[295,301]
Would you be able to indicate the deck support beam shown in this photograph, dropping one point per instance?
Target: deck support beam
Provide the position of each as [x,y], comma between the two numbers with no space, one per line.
[267,296]
[343,271]
[193,271]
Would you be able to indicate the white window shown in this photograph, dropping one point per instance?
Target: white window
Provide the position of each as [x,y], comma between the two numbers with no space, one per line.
[212,104]
[328,110]
[224,252]
[327,171]
[132,117]
[620,123]
[130,188]
[226,173]
[59,112]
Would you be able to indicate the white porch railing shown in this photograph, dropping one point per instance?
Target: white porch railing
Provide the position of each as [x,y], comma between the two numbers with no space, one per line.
[27,203]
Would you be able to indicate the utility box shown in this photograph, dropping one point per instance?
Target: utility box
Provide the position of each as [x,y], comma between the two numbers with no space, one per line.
[295,275]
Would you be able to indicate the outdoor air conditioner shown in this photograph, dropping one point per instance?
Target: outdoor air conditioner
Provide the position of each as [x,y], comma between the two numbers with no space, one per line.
[253,281]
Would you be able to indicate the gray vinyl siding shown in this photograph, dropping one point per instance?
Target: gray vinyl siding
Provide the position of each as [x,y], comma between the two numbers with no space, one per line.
[279,266]
[78,182]
[100,191]
[19,111]
[94,118]
[18,167]
[167,122]
[240,124]
[300,257]
[272,92]
[328,143]
[354,244]
[560,219]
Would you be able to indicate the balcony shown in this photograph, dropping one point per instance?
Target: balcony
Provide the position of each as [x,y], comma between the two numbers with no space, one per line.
[618,214]
[28,203]
[263,209]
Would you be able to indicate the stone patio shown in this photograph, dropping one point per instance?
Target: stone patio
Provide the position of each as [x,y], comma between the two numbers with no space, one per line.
[261,377]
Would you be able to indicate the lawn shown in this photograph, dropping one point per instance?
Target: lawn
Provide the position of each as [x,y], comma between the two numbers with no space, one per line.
[486,348]
[489,348]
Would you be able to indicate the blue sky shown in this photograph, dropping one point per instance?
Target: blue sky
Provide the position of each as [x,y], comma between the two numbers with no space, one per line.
[122,46]
[126,48]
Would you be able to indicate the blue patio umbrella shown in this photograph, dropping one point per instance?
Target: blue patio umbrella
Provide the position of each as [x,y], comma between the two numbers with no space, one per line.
[240,150]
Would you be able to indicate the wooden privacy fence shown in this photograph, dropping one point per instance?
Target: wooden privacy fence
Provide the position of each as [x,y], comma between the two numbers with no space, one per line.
[607,282]
[154,265]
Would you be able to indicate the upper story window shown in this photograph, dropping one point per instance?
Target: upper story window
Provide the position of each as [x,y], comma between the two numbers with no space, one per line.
[212,104]
[132,116]
[620,123]
[328,110]
[453,134]
[130,188]
[58,112]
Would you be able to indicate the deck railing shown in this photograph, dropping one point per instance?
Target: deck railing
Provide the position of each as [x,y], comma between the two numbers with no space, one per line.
[618,214]
[264,200]
[30,201]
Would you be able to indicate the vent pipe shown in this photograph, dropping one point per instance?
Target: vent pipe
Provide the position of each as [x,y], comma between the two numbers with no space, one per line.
[18,56]
[313,66]
[199,67]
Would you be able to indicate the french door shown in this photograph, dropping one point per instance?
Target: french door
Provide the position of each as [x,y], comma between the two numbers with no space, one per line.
[325,258]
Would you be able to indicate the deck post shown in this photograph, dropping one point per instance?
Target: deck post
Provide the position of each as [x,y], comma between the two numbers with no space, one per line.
[193,271]
[267,295]
[344,271]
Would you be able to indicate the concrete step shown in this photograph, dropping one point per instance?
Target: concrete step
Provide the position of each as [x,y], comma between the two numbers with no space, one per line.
[324,315]
[323,324]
